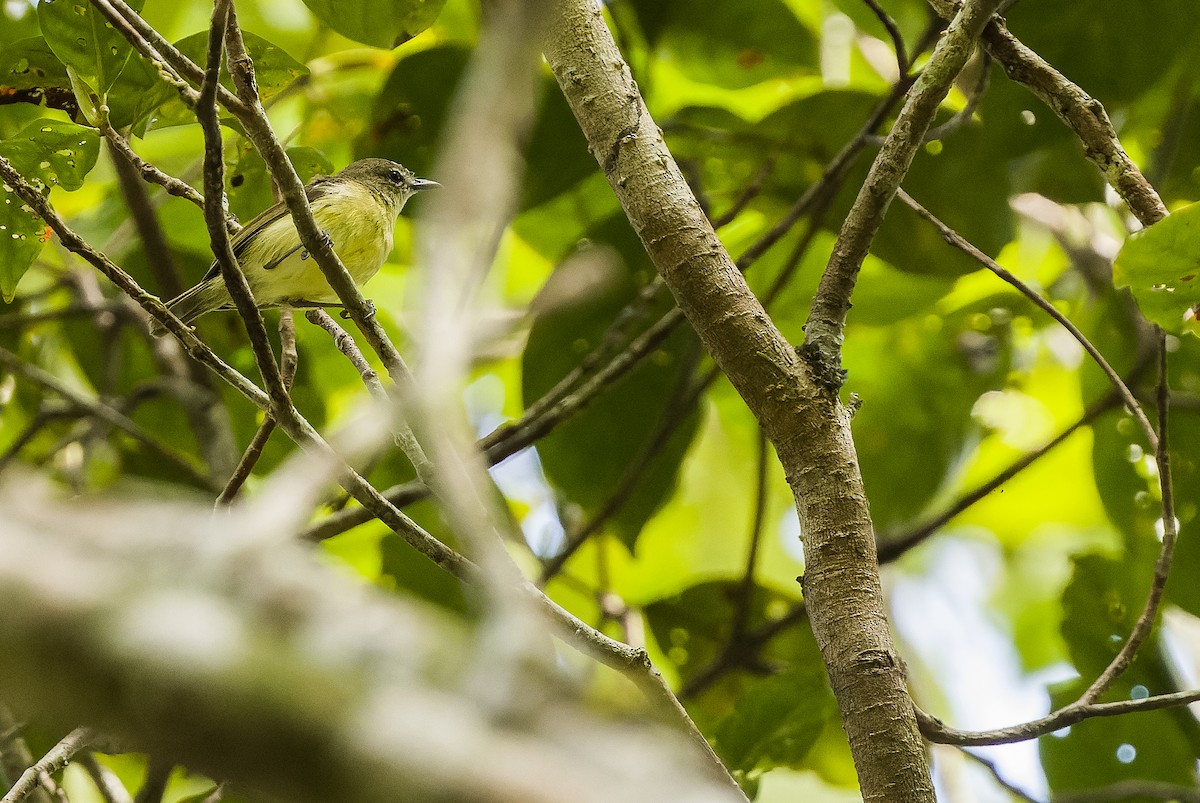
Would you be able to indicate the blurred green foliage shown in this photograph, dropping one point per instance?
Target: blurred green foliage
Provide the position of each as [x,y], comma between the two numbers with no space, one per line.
[957,374]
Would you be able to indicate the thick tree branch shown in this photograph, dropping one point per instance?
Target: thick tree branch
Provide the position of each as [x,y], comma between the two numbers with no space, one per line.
[808,427]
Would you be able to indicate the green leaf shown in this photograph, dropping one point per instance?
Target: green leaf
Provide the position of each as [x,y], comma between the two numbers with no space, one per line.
[383,24]
[410,109]
[1151,746]
[1086,41]
[31,73]
[944,177]
[274,71]
[694,626]
[31,64]
[778,721]
[1160,265]
[20,236]
[54,152]
[557,157]
[587,457]
[249,185]
[82,39]
[1100,605]
[797,140]
[918,382]
[46,153]
[17,21]
[416,575]
[729,44]
[136,97]
[205,795]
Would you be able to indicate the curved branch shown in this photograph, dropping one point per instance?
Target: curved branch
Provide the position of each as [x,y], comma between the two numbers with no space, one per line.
[937,731]
[1081,112]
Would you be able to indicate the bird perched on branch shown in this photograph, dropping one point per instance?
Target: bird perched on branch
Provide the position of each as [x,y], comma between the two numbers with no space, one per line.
[357,208]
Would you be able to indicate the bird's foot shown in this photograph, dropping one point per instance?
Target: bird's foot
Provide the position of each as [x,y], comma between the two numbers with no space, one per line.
[345,314]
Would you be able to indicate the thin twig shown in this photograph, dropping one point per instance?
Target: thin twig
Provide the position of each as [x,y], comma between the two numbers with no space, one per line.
[746,196]
[102,411]
[1145,621]
[937,731]
[297,428]
[41,419]
[1082,113]
[151,304]
[401,433]
[149,173]
[15,756]
[561,402]
[681,404]
[903,65]
[160,256]
[154,47]
[963,115]
[346,345]
[107,784]
[158,774]
[1132,790]
[214,189]
[47,765]
[739,650]
[892,547]
[508,439]
[834,174]
[742,604]
[288,359]
[958,241]
[999,778]
[258,129]
[14,320]
[1162,566]
[213,438]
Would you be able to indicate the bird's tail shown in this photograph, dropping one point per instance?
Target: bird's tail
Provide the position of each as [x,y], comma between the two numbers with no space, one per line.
[202,299]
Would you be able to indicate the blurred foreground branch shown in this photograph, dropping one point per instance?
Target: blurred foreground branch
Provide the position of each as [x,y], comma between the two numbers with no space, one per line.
[200,639]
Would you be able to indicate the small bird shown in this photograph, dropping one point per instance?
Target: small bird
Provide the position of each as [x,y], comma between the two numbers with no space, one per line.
[357,208]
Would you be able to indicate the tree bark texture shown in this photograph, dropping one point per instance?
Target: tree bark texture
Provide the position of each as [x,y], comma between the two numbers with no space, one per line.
[806,423]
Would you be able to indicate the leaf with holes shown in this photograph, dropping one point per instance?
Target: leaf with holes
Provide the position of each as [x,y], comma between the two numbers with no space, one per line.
[31,64]
[85,41]
[47,153]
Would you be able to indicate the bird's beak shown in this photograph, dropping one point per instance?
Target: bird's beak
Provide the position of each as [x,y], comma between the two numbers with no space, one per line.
[424,184]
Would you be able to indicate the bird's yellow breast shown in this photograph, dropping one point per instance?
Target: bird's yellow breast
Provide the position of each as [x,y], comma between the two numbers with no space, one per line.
[361,229]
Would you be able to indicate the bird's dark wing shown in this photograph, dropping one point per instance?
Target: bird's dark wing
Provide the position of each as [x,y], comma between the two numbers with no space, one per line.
[314,190]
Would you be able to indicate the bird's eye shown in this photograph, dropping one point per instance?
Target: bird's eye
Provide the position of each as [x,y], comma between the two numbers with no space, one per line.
[396,176]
